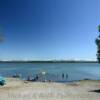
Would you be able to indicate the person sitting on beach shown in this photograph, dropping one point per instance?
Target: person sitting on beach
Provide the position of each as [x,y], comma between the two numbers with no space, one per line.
[35,78]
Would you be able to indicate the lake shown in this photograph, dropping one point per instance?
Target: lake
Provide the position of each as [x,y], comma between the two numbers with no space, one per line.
[75,71]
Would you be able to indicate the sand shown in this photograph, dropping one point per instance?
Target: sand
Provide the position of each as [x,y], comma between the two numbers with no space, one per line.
[16,89]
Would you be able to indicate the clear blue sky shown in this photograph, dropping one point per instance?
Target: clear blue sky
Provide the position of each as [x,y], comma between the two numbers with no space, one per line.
[49,29]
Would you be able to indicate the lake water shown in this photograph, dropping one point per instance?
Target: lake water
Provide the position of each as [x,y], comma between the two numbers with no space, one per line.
[75,71]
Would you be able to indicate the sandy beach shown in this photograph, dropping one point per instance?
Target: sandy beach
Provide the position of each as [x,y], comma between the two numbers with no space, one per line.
[16,89]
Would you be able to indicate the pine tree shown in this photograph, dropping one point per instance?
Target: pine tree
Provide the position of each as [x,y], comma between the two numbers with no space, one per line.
[98,45]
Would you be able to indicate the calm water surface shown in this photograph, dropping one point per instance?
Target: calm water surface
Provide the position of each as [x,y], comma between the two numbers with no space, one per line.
[75,71]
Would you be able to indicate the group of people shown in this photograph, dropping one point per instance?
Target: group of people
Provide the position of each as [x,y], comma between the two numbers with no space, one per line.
[39,77]
[29,78]
[64,76]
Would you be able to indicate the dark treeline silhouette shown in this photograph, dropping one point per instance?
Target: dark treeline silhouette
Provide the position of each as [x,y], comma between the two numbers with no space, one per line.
[48,61]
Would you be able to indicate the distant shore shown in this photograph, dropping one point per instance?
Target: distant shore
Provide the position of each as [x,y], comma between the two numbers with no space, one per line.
[50,61]
[16,89]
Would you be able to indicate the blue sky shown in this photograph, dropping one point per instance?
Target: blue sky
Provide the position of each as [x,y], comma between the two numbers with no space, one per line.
[49,29]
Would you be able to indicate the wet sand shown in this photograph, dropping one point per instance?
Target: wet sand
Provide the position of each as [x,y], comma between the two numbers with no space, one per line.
[16,89]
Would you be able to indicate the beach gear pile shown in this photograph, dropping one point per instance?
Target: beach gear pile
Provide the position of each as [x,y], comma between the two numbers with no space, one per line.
[2,81]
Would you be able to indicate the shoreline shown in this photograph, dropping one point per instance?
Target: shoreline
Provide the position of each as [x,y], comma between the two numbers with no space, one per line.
[63,81]
[48,81]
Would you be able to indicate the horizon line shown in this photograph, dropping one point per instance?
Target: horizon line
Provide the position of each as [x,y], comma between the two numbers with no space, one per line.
[48,60]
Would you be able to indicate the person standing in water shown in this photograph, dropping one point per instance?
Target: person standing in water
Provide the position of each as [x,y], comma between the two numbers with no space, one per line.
[63,75]
[66,76]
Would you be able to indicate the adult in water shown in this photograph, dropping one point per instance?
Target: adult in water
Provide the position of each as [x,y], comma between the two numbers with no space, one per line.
[66,76]
[63,75]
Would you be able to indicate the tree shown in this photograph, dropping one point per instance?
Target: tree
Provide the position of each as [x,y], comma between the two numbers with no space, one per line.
[98,45]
